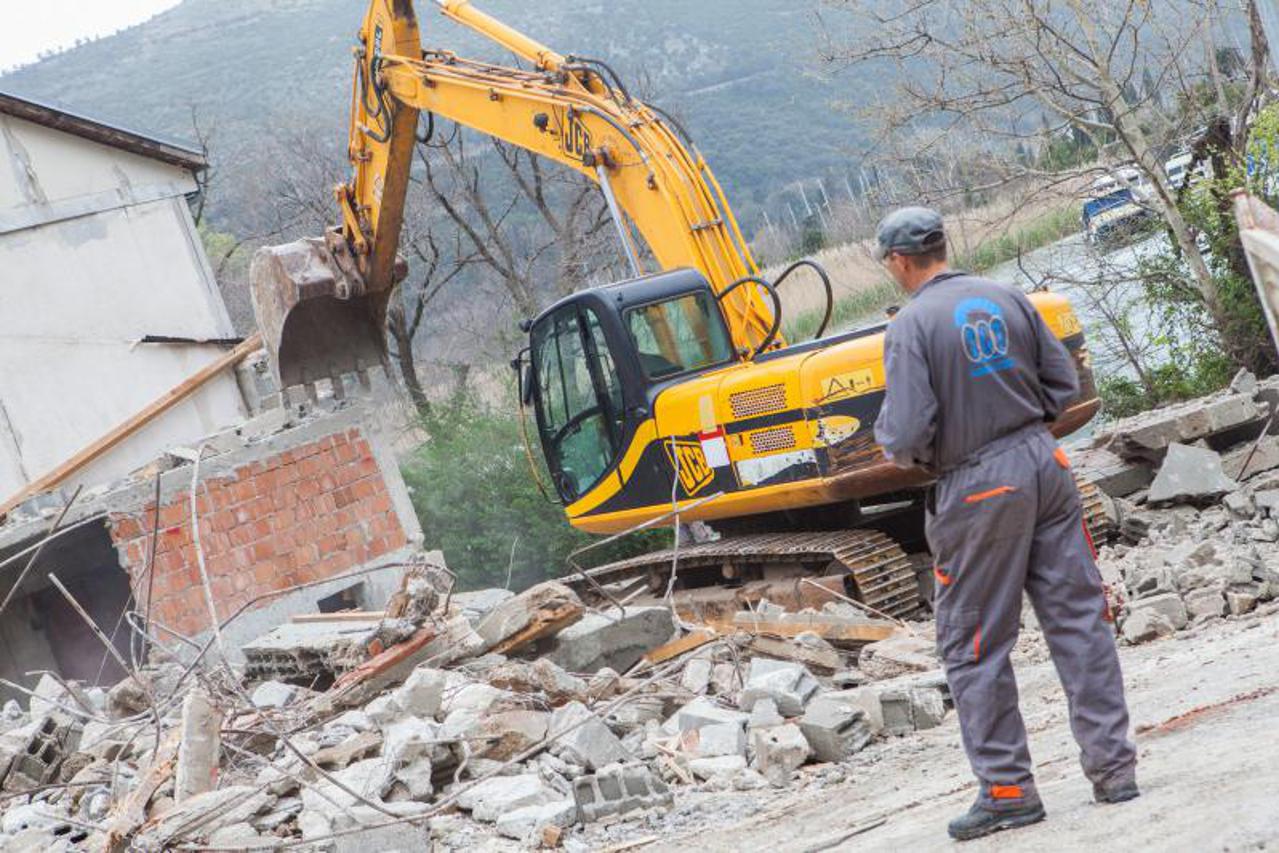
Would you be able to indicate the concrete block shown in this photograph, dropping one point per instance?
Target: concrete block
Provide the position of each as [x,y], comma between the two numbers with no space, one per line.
[1240,602]
[835,730]
[200,747]
[865,699]
[1190,474]
[927,707]
[1169,605]
[721,768]
[422,693]
[788,684]
[764,714]
[384,709]
[273,694]
[601,640]
[527,823]
[371,778]
[701,712]
[1144,625]
[621,788]
[696,677]
[779,751]
[50,694]
[591,744]
[899,654]
[715,740]
[497,795]
[1205,603]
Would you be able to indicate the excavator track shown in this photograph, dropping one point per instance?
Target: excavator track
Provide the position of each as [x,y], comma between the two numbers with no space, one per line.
[1096,518]
[883,576]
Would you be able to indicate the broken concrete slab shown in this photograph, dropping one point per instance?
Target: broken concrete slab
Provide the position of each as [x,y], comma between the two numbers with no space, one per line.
[591,744]
[308,651]
[1251,458]
[621,788]
[900,654]
[528,823]
[611,640]
[1190,474]
[477,604]
[1147,435]
[491,798]
[864,699]
[545,608]
[696,677]
[1108,471]
[502,735]
[210,811]
[355,748]
[540,676]
[790,685]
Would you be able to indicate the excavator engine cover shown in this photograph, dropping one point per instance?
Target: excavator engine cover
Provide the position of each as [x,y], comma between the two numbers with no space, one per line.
[313,311]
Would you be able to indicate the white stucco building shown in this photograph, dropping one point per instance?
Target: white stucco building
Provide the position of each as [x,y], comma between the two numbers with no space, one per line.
[106,298]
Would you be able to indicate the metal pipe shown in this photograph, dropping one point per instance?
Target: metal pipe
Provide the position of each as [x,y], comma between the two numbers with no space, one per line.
[512,39]
[623,232]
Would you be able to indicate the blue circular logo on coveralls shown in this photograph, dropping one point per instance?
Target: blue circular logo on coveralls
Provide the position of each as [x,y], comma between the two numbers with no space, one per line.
[984,335]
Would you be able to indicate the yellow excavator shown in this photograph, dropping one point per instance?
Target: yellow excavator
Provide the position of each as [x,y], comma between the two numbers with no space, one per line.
[672,390]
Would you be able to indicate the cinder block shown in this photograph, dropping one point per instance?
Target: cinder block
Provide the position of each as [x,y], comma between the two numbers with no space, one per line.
[618,789]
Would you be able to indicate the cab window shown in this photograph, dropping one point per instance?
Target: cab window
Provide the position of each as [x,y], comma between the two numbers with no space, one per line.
[579,399]
[679,335]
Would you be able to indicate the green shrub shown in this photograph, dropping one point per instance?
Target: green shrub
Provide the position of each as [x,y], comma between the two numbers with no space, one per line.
[477,501]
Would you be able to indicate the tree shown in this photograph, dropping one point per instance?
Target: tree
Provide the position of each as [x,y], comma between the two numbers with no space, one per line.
[1008,70]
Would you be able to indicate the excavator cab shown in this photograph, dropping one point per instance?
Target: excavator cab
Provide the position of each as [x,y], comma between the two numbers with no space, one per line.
[598,358]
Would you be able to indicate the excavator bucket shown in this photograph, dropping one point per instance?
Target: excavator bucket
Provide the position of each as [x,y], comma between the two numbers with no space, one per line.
[315,317]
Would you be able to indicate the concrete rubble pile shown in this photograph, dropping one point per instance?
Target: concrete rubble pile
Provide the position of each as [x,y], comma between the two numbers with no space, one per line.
[1195,491]
[452,719]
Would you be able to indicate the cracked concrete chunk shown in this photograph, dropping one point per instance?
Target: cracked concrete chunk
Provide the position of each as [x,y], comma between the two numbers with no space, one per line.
[899,654]
[788,684]
[607,639]
[592,744]
[490,799]
[1190,474]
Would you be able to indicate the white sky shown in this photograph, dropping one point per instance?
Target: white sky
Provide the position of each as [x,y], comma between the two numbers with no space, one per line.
[28,27]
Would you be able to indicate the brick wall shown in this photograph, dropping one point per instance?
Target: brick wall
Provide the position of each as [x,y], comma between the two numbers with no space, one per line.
[307,513]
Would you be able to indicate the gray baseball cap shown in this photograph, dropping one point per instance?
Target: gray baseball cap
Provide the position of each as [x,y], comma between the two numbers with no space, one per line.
[909,231]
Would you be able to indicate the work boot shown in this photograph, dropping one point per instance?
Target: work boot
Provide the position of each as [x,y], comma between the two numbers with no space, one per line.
[1119,791]
[981,821]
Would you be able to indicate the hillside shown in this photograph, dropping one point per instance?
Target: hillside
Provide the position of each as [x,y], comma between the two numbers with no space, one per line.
[742,75]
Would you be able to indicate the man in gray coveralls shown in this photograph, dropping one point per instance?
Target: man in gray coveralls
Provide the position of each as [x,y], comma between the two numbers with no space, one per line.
[974,376]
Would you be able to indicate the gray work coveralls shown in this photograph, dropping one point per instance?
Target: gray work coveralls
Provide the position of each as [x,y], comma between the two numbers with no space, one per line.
[973,376]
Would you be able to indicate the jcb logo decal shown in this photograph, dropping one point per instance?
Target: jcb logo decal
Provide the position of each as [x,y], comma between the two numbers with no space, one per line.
[688,459]
[577,139]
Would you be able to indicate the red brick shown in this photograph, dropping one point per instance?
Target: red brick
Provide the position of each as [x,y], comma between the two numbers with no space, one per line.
[125,527]
[263,550]
[243,490]
[242,535]
[173,514]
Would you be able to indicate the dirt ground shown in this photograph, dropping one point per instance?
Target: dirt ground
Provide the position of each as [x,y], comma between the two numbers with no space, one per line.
[1204,704]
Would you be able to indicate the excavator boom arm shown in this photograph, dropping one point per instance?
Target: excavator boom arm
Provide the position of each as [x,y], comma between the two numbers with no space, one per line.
[563,110]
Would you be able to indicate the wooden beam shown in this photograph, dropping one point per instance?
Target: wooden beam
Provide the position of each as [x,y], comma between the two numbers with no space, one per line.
[340,616]
[848,632]
[675,648]
[545,623]
[154,409]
